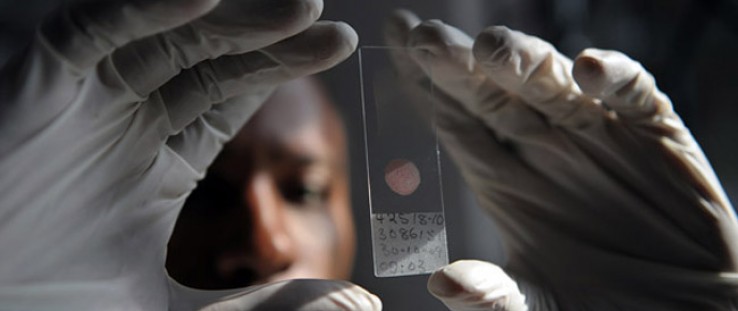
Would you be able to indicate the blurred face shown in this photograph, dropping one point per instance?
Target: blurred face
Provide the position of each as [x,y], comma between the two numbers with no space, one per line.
[274,205]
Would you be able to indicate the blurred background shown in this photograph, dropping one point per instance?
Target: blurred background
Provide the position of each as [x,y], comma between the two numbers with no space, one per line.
[690,46]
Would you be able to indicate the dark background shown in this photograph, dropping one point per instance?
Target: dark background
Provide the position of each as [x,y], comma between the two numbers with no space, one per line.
[689,46]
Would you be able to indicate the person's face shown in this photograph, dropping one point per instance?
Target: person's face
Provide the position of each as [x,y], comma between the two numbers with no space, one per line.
[274,205]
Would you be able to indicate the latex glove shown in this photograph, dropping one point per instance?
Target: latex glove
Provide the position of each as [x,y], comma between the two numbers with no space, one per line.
[603,198]
[108,120]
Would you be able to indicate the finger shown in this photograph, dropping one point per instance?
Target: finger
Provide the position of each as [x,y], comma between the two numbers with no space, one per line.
[255,74]
[489,166]
[476,285]
[302,295]
[622,84]
[496,140]
[397,28]
[87,31]
[147,64]
[532,69]
[444,54]
[201,141]
[630,91]
[396,34]
[244,88]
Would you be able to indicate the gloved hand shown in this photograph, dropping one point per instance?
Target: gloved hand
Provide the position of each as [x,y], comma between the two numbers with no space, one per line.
[108,120]
[603,198]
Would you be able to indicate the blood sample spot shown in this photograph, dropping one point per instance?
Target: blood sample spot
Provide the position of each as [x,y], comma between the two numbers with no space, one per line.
[402,176]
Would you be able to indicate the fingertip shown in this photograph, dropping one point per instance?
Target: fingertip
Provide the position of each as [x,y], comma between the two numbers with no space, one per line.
[587,72]
[428,35]
[439,39]
[476,285]
[319,6]
[323,45]
[399,24]
[337,39]
[441,285]
[489,44]
[601,73]
[621,83]
[375,302]
[349,34]
[463,277]
[405,17]
[397,28]
[311,9]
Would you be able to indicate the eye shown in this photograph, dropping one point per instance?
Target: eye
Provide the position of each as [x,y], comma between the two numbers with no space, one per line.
[304,193]
[307,185]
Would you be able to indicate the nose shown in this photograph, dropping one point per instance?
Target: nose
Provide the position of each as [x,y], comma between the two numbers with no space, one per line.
[273,248]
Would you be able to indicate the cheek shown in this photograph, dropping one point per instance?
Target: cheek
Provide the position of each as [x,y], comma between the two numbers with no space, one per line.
[344,240]
[313,235]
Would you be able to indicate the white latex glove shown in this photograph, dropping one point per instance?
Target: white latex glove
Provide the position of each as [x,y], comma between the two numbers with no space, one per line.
[603,198]
[108,120]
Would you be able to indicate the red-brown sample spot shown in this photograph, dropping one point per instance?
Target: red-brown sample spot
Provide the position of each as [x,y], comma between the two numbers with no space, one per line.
[402,176]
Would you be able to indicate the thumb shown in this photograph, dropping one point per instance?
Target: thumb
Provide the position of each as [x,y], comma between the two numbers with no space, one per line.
[467,285]
[301,295]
